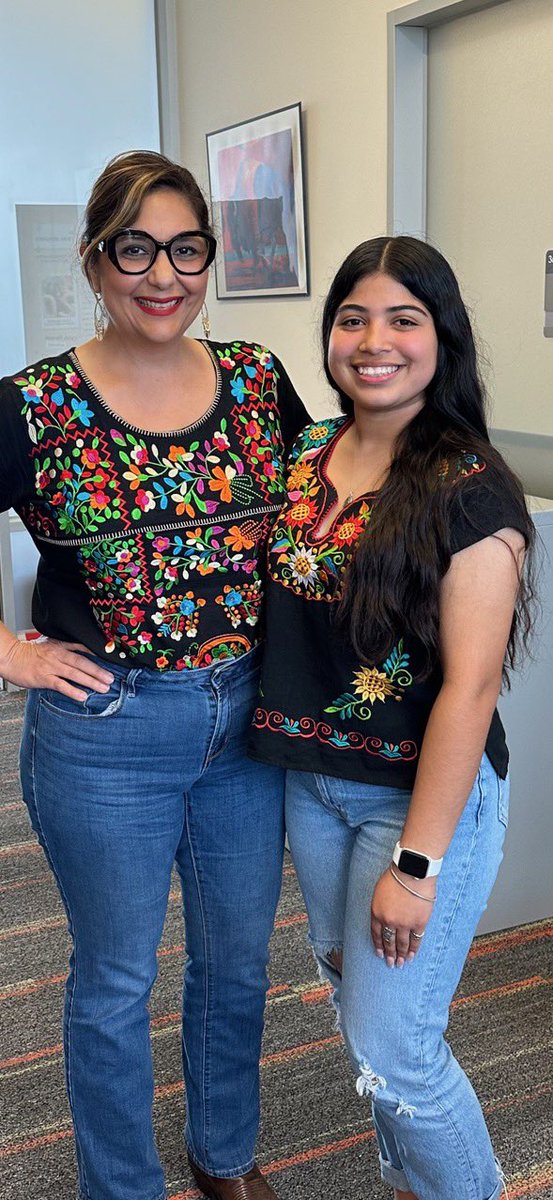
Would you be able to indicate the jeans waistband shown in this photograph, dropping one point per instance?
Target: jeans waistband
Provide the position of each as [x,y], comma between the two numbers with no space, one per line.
[246,665]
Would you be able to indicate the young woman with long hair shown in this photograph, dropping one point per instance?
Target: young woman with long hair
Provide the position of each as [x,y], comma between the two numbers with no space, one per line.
[398,594]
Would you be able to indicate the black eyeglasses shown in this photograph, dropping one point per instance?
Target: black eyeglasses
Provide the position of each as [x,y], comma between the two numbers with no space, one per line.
[134,252]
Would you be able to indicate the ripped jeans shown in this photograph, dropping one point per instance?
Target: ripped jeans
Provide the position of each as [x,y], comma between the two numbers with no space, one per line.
[429,1124]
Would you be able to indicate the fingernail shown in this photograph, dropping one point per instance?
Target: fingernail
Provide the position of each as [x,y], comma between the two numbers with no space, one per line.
[380,954]
[399,964]
[410,956]
[390,962]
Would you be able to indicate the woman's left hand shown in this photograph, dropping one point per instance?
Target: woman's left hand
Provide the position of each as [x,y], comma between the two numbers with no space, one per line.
[397,918]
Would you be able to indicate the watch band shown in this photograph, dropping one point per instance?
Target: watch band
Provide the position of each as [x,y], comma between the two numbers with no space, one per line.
[412,862]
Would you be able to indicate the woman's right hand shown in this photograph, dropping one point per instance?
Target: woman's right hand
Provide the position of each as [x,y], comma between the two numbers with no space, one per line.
[53,664]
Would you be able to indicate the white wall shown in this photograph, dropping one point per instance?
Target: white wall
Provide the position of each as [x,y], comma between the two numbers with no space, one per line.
[490,191]
[238,60]
[78,84]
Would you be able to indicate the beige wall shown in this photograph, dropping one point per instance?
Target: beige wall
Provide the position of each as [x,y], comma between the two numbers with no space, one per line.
[240,58]
[491,191]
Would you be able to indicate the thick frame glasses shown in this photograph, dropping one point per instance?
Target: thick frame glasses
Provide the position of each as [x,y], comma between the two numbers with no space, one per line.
[134,252]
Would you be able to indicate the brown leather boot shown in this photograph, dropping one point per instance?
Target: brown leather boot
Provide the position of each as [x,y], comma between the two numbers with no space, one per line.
[252,1186]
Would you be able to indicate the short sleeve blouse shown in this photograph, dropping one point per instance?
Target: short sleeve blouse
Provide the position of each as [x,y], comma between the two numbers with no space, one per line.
[320,708]
[152,546]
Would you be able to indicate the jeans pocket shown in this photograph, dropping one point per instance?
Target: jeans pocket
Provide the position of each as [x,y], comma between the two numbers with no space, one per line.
[97,704]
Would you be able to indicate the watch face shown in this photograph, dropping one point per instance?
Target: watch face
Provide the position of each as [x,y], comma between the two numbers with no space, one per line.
[413,864]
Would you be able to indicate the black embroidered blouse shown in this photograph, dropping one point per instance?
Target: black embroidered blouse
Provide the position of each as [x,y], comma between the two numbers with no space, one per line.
[152,545]
[320,709]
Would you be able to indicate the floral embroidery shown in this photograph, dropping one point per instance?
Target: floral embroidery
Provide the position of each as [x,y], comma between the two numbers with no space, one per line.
[77,486]
[313,570]
[49,406]
[370,684]
[307,727]
[197,480]
[460,468]
[149,516]
[178,614]
[313,567]
[317,435]
[241,603]
[207,549]
[217,649]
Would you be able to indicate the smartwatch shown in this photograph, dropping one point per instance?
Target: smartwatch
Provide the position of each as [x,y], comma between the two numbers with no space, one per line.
[420,866]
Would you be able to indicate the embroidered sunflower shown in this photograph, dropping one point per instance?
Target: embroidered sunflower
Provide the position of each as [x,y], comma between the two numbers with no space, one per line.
[317,434]
[304,566]
[301,474]
[302,511]
[349,531]
[372,685]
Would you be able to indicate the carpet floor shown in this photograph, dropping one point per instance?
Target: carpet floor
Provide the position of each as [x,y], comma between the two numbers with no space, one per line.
[316,1139]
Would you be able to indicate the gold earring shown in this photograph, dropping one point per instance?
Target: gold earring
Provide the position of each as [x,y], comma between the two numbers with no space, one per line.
[206,325]
[100,317]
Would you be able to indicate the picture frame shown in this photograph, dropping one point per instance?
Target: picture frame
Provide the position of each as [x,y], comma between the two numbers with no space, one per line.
[256,180]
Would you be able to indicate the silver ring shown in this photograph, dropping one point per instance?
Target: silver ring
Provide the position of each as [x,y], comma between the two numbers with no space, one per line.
[417,936]
[388,934]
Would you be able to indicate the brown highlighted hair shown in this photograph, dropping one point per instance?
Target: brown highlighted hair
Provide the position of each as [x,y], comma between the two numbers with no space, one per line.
[118,193]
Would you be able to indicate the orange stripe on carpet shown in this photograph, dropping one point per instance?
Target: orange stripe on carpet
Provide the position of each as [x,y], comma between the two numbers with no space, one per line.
[298,919]
[27,986]
[298,1051]
[540,1177]
[295,1160]
[19,883]
[506,989]
[19,848]
[32,1056]
[47,1139]
[171,1089]
[31,927]
[494,943]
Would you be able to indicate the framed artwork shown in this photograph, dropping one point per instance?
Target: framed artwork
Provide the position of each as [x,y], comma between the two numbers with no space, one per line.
[257,196]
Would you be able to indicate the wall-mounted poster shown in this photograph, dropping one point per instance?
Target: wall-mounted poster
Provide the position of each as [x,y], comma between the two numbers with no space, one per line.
[257,195]
[57,301]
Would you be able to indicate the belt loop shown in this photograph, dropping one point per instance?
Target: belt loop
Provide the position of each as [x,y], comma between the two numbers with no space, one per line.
[130,681]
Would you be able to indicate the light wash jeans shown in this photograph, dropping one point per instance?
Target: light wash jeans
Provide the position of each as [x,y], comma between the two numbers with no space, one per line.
[430,1128]
[119,788]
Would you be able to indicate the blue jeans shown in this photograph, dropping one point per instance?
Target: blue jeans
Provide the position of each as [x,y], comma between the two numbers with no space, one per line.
[119,788]
[430,1128]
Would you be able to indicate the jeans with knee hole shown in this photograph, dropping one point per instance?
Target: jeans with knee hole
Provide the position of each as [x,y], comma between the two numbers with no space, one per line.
[120,787]
[430,1128]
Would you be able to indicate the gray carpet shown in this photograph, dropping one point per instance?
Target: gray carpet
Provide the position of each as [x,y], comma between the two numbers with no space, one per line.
[316,1138]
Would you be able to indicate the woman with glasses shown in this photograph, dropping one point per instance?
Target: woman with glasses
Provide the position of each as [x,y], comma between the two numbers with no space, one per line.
[147,467]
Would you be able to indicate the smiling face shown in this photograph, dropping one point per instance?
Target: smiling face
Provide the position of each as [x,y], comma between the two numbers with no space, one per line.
[161,304]
[383,348]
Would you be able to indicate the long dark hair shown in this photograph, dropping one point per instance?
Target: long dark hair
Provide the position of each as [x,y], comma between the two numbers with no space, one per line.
[393,580]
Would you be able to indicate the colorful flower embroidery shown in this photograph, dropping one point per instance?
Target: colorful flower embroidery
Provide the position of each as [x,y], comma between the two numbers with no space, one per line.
[372,684]
[241,603]
[150,515]
[81,483]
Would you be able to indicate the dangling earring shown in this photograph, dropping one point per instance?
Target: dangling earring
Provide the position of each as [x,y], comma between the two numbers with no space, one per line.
[206,326]
[100,317]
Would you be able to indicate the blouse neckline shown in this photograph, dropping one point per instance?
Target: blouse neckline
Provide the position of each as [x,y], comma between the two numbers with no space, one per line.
[165,433]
